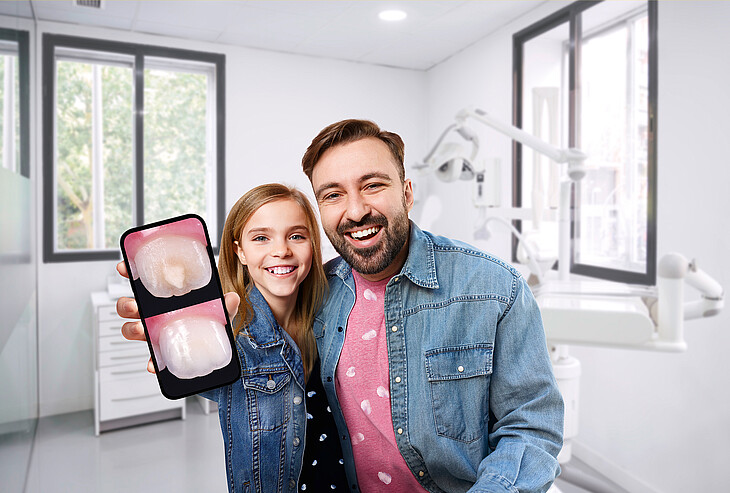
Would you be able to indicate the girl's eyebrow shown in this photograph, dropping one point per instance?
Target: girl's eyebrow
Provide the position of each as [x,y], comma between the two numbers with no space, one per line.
[265,229]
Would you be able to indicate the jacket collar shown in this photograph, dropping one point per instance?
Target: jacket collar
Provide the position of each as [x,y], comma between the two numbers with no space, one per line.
[420,265]
[263,329]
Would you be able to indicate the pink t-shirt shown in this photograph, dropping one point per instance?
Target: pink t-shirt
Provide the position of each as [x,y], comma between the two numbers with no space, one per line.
[362,381]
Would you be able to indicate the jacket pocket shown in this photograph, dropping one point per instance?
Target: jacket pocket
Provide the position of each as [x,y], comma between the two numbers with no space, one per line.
[266,393]
[458,378]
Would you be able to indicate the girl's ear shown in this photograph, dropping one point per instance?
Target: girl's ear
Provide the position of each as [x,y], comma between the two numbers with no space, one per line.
[239,253]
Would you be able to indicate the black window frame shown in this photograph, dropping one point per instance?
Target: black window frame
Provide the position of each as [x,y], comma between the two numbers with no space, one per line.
[570,15]
[23,40]
[139,52]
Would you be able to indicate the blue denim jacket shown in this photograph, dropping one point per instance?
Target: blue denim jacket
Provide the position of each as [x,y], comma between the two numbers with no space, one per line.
[263,414]
[474,401]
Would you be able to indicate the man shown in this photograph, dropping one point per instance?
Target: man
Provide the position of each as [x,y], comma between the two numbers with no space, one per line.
[433,354]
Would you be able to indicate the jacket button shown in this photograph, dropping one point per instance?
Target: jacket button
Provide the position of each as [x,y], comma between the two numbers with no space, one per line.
[329,379]
[297,400]
[460,368]
[296,441]
[292,484]
[421,473]
[270,384]
[397,379]
[400,431]
[394,328]
[339,329]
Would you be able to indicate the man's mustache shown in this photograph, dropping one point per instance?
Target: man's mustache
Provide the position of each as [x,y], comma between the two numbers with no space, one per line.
[367,220]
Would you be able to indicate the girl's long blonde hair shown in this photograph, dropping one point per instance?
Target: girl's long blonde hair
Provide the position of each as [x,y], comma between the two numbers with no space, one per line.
[235,276]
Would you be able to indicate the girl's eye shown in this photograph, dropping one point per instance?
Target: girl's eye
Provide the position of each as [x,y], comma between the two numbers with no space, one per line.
[259,238]
[297,236]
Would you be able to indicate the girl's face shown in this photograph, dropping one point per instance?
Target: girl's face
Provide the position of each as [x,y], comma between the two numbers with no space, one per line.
[276,247]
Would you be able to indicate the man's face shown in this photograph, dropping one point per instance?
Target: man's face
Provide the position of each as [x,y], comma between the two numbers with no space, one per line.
[364,206]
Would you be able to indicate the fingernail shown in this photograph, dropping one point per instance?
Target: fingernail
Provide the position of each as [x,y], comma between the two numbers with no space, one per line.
[129,305]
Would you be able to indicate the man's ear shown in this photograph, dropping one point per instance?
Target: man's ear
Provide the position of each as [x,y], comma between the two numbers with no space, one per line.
[408,194]
[239,253]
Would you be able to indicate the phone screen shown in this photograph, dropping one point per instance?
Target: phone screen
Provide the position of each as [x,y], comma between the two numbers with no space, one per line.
[175,282]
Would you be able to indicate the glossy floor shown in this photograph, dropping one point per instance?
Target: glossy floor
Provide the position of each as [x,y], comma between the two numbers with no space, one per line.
[170,456]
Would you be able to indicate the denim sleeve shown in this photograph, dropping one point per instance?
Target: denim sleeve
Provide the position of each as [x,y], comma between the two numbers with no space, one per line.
[526,406]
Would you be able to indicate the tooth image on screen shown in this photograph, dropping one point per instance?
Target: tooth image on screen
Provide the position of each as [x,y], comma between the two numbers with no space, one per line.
[172,265]
[191,342]
[171,259]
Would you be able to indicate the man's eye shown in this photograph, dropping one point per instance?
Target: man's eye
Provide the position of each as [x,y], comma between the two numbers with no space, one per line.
[331,196]
[373,186]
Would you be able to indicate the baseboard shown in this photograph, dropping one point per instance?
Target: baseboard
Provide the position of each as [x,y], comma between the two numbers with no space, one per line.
[615,473]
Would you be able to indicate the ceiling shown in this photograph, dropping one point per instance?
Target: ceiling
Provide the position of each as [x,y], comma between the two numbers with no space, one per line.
[433,31]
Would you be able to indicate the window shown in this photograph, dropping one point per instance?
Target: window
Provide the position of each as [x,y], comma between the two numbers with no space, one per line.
[585,77]
[14,102]
[132,134]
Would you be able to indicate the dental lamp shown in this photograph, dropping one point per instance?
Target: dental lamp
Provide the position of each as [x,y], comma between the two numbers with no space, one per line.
[448,158]
[451,166]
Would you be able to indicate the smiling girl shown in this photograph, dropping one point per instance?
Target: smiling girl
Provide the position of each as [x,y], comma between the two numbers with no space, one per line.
[277,429]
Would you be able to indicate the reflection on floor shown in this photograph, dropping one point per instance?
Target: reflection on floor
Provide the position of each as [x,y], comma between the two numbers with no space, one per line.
[176,455]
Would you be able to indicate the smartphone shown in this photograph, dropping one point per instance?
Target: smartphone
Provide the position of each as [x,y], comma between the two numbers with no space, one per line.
[180,299]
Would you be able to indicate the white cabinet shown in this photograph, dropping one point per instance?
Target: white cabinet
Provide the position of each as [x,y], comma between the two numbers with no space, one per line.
[125,394]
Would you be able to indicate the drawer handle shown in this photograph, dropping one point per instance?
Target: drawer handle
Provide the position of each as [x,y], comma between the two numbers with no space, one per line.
[126,372]
[135,397]
[129,357]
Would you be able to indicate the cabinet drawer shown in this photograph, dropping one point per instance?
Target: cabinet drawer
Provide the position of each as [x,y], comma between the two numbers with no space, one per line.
[124,372]
[137,354]
[117,342]
[128,397]
[109,312]
[111,328]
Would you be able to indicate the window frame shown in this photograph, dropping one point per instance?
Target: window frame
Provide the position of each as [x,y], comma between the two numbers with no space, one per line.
[570,15]
[138,52]
[23,40]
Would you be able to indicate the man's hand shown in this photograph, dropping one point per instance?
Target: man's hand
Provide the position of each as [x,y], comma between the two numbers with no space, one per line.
[133,331]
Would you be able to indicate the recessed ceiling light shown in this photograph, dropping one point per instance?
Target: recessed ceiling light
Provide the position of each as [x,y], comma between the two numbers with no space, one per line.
[392,15]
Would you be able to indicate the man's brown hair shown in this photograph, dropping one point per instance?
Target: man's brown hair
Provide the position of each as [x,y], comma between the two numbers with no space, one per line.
[346,131]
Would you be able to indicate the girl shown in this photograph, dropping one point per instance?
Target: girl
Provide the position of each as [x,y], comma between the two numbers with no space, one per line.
[270,255]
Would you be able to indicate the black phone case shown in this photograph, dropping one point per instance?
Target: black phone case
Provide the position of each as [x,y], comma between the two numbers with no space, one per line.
[166,308]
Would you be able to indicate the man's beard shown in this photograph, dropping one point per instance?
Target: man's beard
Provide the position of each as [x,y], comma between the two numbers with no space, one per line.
[376,258]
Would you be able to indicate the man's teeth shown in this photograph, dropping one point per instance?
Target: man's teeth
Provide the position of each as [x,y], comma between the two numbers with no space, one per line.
[280,270]
[365,232]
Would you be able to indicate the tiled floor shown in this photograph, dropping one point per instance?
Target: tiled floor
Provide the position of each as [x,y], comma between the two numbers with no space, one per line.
[171,456]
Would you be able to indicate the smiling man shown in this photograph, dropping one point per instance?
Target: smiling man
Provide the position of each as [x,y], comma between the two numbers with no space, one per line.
[433,352]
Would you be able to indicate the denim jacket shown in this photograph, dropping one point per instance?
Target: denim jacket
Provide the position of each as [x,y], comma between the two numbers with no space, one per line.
[474,401]
[263,414]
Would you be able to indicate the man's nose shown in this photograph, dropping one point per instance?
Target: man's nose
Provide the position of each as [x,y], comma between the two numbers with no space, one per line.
[357,208]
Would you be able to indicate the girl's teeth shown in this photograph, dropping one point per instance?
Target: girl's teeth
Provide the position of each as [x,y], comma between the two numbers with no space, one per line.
[281,270]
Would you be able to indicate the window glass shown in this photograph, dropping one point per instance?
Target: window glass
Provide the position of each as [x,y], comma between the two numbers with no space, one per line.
[613,131]
[10,105]
[94,154]
[177,147]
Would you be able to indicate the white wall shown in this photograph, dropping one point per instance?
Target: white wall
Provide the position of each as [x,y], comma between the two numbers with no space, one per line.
[653,422]
[275,105]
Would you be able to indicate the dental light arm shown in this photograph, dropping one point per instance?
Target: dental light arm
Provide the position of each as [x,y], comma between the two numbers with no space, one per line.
[574,157]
